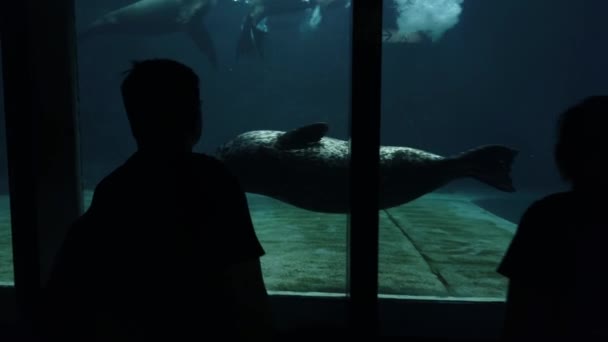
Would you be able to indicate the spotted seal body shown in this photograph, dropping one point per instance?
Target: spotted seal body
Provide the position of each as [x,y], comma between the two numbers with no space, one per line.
[156,17]
[305,168]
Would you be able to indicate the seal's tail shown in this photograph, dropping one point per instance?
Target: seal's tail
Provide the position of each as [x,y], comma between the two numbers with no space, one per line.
[491,164]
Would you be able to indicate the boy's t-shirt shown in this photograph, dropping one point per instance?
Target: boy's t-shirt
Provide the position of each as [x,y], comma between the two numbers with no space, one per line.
[156,242]
[559,252]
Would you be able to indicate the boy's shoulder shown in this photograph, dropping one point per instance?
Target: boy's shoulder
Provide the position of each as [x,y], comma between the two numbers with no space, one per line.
[209,163]
[553,208]
[552,201]
[203,164]
[207,159]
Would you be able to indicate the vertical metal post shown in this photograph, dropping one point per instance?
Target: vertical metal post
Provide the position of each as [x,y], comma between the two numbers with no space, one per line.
[40,82]
[364,175]
[19,115]
[58,162]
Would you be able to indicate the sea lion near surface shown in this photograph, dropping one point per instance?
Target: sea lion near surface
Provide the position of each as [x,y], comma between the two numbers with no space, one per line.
[254,28]
[157,17]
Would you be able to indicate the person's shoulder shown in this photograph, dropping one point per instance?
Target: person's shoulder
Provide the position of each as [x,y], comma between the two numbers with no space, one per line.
[109,180]
[539,230]
[206,159]
[81,232]
[557,198]
[551,202]
[552,207]
[210,163]
[214,168]
[119,174]
[113,183]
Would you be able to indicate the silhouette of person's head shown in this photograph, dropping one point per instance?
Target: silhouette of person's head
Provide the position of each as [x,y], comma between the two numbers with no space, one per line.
[582,144]
[162,101]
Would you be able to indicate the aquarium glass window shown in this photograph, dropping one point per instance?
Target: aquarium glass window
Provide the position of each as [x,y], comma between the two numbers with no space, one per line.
[466,85]
[6,247]
[281,74]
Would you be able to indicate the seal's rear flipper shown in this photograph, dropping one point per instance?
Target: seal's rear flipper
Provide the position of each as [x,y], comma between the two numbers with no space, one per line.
[251,39]
[491,164]
[203,41]
[302,137]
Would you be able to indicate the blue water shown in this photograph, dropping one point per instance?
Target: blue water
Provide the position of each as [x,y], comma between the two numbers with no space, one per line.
[501,73]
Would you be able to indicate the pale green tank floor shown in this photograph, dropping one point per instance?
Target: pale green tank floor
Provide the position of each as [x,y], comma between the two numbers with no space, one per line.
[6,248]
[441,245]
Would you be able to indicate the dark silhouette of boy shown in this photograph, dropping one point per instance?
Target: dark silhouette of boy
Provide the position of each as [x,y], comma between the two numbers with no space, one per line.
[557,259]
[167,250]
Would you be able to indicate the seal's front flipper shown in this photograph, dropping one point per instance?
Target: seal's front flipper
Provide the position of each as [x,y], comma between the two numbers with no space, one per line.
[302,137]
[252,38]
[203,41]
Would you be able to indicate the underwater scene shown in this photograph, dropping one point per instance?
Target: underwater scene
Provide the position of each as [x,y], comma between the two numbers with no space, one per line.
[466,84]
[6,248]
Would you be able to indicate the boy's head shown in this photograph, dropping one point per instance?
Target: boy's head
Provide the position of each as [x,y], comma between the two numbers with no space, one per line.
[162,101]
[582,144]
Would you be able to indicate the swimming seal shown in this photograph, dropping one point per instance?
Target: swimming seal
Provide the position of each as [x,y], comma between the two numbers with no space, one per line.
[307,169]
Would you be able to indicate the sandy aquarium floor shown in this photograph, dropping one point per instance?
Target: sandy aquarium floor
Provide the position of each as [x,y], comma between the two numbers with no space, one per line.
[444,245]
[6,250]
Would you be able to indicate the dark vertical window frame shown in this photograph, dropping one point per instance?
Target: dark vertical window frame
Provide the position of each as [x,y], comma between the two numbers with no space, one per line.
[39,66]
[364,167]
[21,140]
